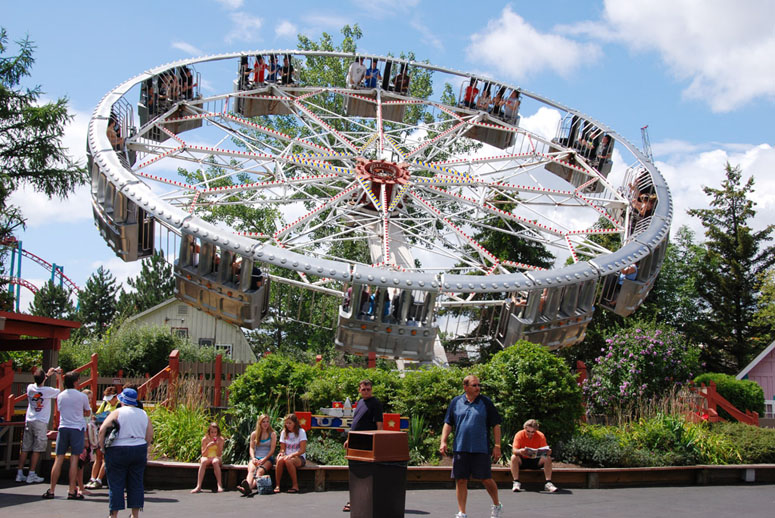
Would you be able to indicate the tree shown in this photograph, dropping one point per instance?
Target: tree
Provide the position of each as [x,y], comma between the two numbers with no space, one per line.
[31,151]
[98,302]
[153,285]
[674,300]
[764,319]
[730,275]
[52,301]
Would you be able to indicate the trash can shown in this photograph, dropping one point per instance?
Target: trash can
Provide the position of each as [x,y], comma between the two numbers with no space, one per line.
[377,460]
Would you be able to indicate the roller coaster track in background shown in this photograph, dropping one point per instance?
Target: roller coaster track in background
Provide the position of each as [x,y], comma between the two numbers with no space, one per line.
[11,243]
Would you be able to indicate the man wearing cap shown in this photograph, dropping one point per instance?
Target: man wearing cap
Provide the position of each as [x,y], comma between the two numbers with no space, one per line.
[109,404]
[126,457]
[36,423]
[73,406]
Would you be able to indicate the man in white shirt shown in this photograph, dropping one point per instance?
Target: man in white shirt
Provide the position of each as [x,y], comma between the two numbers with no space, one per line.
[73,407]
[356,73]
[36,423]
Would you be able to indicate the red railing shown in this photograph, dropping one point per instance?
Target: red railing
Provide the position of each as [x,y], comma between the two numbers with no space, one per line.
[714,400]
[7,399]
[168,374]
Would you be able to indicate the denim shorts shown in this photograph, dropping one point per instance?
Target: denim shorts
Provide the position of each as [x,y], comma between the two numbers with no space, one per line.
[72,438]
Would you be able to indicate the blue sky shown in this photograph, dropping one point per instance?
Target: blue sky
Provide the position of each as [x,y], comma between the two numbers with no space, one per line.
[700,74]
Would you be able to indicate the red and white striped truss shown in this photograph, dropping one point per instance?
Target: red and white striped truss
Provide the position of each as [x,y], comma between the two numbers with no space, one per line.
[410,195]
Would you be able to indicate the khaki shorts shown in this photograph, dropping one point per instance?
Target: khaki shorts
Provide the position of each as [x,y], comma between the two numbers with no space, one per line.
[34,438]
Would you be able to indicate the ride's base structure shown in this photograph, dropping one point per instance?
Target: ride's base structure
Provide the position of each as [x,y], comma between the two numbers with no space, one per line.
[418,217]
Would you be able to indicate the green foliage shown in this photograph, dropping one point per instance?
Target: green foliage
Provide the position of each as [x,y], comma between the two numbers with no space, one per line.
[755,445]
[324,447]
[52,301]
[273,381]
[26,361]
[526,381]
[743,394]
[137,350]
[736,259]
[764,318]
[336,384]
[639,363]
[97,302]
[661,440]
[31,151]
[153,285]
[426,393]
[177,433]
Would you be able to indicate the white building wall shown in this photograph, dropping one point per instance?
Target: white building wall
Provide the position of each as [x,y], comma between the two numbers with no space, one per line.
[200,328]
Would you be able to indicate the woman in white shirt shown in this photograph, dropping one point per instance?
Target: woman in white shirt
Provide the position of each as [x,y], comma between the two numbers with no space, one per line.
[125,458]
[293,445]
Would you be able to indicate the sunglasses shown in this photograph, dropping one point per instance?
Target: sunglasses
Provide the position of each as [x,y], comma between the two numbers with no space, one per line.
[474,385]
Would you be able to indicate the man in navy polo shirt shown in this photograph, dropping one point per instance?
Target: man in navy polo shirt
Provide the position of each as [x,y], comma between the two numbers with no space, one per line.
[472,415]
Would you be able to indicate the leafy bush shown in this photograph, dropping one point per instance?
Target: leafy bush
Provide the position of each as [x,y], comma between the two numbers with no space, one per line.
[337,384]
[136,350]
[661,440]
[273,381]
[743,394]
[426,393]
[325,447]
[753,444]
[639,363]
[526,381]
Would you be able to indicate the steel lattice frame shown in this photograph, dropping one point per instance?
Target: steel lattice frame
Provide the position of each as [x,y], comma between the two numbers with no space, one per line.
[312,182]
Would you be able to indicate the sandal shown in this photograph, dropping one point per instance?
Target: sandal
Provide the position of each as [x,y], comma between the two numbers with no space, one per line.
[277,490]
[243,487]
[48,495]
[346,508]
[75,496]
[293,490]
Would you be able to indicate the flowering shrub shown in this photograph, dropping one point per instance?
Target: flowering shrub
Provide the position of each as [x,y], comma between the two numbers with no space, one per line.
[639,364]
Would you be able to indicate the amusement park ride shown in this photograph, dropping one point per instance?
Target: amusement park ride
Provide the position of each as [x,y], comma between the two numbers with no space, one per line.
[378,198]
[16,281]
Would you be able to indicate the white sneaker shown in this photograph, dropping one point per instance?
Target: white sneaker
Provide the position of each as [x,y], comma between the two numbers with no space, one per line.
[496,511]
[33,478]
[461,515]
[550,487]
[20,477]
[516,486]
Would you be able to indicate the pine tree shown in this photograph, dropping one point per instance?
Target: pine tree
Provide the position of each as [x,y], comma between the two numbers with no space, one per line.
[98,302]
[52,301]
[729,277]
[152,286]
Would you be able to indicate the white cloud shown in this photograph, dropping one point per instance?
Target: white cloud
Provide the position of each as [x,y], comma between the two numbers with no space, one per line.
[245,27]
[325,21]
[231,4]
[515,48]
[187,48]
[726,50]
[385,8]
[544,122]
[426,36]
[121,270]
[286,29]
[36,207]
[686,175]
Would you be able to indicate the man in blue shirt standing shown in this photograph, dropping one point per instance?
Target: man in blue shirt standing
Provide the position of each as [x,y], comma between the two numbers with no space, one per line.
[472,415]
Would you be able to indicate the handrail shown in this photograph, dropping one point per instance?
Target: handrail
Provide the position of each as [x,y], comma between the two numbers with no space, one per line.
[169,374]
[714,400]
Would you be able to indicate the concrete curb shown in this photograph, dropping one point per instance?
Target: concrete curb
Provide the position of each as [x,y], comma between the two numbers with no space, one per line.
[179,475]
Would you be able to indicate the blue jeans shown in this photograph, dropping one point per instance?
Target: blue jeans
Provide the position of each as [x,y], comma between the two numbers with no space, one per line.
[125,466]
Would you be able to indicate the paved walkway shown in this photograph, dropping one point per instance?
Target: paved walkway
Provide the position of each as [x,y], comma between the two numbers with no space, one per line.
[23,501]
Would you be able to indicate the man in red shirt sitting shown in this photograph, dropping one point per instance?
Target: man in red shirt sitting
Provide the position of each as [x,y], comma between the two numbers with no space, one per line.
[530,451]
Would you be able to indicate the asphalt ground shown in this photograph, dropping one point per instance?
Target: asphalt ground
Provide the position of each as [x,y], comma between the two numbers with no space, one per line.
[749,500]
